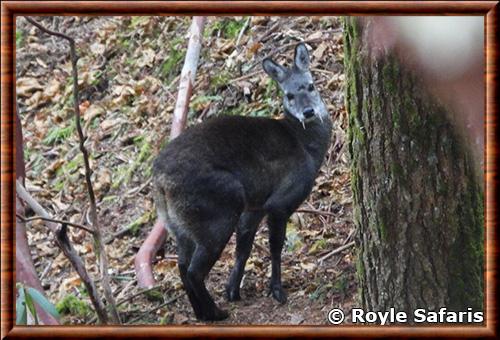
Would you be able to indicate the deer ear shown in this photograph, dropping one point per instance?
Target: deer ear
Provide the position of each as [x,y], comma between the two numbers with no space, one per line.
[274,70]
[302,57]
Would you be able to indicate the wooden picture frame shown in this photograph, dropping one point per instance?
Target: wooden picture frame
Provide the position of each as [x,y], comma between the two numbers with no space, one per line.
[11,9]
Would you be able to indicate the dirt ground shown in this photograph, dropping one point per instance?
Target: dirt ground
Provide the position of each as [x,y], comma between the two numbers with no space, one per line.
[128,76]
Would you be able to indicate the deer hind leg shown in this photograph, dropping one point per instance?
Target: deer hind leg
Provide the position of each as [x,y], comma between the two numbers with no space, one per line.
[245,234]
[204,257]
[215,206]
[185,250]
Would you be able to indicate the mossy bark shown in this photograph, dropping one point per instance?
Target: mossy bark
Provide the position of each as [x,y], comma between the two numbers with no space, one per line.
[418,205]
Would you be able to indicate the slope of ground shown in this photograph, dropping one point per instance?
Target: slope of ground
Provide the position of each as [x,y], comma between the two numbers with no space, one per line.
[128,75]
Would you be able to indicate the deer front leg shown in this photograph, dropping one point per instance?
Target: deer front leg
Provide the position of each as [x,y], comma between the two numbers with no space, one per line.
[245,234]
[277,230]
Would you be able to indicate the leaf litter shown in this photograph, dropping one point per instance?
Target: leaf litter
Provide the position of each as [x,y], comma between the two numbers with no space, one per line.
[128,75]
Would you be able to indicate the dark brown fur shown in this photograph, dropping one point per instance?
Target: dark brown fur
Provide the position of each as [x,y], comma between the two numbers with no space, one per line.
[229,172]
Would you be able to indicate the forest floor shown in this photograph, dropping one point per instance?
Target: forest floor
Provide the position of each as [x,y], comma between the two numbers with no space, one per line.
[128,76]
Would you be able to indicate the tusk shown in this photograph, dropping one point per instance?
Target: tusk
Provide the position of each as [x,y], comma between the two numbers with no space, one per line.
[303,124]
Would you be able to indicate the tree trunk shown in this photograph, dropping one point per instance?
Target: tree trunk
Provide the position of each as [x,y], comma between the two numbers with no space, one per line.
[418,204]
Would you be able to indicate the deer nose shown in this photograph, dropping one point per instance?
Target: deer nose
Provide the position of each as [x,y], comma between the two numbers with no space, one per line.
[308,113]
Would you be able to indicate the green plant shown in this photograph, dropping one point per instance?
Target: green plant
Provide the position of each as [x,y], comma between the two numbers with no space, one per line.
[220,79]
[124,173]
[173,63]
[228,28]
[58,134]
[320,292]
[293,239]
[19,38]
[341,285]
[25,303]
[200,102]
[71,305]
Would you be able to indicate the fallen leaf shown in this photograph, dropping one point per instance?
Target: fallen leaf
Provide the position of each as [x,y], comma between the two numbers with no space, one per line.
[70,283]
[147,58]
[52,88]
[315,35]
[320,50]
[26,86]
[35,100]
[92,111]
[308,266]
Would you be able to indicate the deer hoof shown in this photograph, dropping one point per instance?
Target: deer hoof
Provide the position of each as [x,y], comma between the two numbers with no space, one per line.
[279,294]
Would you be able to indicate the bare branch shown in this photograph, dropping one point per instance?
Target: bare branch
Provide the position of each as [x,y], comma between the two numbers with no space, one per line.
[336,251]
[71,224]
[131,297]
[316,212]
[68,250]
[99,244]
[188,75]
[157,236]
[149,312]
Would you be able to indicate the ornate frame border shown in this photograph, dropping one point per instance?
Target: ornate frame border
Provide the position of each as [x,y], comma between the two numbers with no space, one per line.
[11,9]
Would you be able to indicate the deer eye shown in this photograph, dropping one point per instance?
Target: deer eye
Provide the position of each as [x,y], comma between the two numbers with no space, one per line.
[290,96]
[310,88]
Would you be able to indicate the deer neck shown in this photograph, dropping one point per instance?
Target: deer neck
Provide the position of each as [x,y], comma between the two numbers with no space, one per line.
[314,135]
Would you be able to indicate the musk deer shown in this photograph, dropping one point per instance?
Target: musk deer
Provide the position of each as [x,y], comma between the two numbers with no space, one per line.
[228,172]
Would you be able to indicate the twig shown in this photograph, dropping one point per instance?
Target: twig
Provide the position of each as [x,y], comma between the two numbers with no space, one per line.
[336,251]
[286,46]
[243,29]
[155,309]
[46,270]
[246,76]
[144,291]
[121,302]
[100,250]
[68,250]
[270,31]
[322,71]
[317,212]
[71,224]
[138,189]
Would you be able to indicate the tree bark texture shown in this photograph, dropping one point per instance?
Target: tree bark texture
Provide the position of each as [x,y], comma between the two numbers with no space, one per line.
[418,204]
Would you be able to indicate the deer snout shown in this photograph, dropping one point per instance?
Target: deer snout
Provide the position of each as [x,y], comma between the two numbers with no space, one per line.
[308,113]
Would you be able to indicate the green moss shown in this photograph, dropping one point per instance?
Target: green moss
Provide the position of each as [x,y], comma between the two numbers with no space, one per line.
[220,79]
[466,265]
[397,170]
[360,268]
[154,295]
[396,118]
[357,132]
[382,228]
[71,305]
[376,104]
[441,185]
